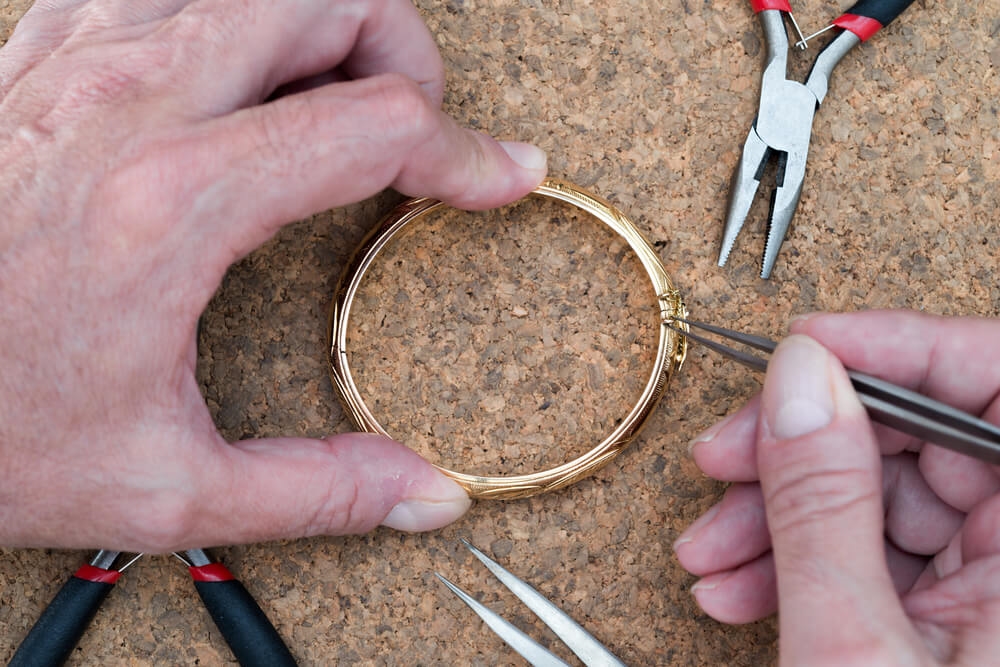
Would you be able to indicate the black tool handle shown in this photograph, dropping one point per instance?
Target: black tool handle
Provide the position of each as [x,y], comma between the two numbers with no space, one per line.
[867,17]
[53,637]
[243,624]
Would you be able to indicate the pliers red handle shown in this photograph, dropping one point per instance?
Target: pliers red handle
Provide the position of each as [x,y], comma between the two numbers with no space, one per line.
[784,119]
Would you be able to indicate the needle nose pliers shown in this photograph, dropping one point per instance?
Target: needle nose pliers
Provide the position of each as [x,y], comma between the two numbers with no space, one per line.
[784,119]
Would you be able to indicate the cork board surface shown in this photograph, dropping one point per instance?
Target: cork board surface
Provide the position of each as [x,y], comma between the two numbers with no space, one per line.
[491,317]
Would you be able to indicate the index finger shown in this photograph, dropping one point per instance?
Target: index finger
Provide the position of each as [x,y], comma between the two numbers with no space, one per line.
[955,360]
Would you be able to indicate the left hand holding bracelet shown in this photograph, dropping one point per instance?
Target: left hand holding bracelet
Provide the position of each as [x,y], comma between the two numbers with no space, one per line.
[137,161]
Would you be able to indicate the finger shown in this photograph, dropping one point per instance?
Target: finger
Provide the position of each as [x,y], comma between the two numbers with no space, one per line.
[955,360]
[916,519]
[960,481]
[821,477]
[346,484]
[339,144]
[945,563]
[749,592]
[291,41]
[728,450]
[981,533]
[743,595]
[730,534]
[979,538]
[734,531]
[950,359]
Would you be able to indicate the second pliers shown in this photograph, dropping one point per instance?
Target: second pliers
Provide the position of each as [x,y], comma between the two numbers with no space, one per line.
[784,120]
[249,633]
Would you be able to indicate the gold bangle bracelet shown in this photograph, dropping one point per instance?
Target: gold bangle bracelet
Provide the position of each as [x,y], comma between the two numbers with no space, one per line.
[669,357]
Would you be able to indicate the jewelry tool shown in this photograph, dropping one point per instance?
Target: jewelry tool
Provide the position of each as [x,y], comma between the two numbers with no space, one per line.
[889,404]
[243,624]
[785,115]
[581,642]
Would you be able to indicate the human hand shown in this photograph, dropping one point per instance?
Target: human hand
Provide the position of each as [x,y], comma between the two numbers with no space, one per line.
[872,547]
[144,147]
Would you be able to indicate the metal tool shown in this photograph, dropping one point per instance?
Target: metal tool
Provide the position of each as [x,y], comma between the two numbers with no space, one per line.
[581,642]
[784,119]
[897,407]
[246,629]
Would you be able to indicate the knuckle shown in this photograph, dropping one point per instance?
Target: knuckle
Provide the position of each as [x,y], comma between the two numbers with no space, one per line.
[814,497]
[338,508]
[124,74]
[98,84]
[403,109]
[211,27]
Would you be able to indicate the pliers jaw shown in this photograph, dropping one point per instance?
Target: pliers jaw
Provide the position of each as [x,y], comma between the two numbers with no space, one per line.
[784,197]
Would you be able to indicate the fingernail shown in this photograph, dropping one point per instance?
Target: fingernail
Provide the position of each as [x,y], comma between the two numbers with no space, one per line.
[801,319]
[448,503]
[692,531]
[712,581]
[709,434]
[948,561]
[526,155]
[798,394]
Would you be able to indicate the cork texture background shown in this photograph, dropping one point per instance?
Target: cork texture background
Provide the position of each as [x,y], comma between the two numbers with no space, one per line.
[505,341]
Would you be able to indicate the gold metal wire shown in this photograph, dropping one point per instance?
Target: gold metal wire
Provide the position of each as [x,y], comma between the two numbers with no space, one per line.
[670,353]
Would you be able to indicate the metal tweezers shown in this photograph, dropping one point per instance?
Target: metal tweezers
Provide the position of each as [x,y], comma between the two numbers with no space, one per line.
[590,651]
[889,404]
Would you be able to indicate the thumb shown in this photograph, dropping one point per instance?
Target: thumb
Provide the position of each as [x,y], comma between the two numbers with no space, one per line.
[820,471]
[345,484]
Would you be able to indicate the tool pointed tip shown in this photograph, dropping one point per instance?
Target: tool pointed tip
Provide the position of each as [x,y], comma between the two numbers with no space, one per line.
[728,243]
[772,245]
[770,259]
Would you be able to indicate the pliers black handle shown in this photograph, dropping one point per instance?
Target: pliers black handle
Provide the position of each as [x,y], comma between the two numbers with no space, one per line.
[244,626]
[59,628]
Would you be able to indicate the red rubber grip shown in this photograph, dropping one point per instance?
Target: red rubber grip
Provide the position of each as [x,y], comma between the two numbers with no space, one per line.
[211,573]
[97,574]
[761,5]
[862,26]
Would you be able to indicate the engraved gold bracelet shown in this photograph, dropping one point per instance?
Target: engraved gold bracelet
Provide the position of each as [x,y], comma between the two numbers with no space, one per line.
[669,356]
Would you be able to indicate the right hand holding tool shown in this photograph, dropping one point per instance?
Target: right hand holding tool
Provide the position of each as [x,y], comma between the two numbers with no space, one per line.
[873,546]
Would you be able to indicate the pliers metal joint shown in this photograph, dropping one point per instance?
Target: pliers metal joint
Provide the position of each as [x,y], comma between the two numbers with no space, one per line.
[784,119]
